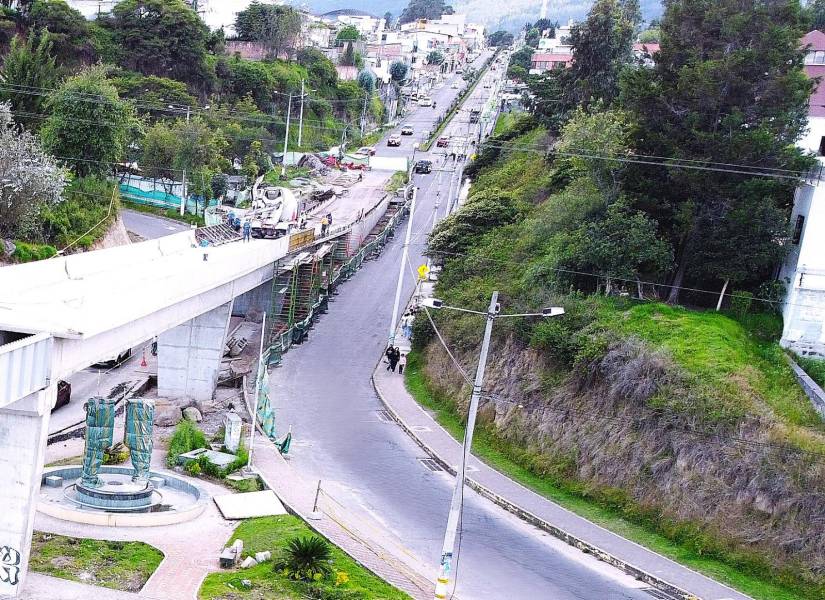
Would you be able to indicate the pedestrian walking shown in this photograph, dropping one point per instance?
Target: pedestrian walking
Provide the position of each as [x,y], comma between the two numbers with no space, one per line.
[406,324]
[394,356]
[402,362]
[389,354]
[205,246]
[324,226]
[247,230]
[329,218]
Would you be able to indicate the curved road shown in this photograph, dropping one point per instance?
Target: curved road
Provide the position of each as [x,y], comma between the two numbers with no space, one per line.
[372,468]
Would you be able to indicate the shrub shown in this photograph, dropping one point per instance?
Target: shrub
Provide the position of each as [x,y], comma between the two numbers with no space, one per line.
[306,559]
[740,302]
[25,252]
[187,437]
[116,454]
[193,468]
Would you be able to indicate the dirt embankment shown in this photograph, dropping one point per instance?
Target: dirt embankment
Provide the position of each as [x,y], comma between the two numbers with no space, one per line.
[737,489]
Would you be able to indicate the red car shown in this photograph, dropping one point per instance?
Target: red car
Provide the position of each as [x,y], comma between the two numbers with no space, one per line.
[442,142]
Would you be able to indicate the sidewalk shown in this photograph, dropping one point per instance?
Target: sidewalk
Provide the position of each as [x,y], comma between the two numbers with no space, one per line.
[630,557]
[370,546]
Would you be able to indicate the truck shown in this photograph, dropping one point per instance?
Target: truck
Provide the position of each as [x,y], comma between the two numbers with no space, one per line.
[475,115]
[274,211]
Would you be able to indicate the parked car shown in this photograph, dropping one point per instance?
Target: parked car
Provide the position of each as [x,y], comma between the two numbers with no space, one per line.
[455,85]
[424,167]
[366,151]
[64,394]
[115,360]
[425,101]
[442,142]
[407,130]
[394,140]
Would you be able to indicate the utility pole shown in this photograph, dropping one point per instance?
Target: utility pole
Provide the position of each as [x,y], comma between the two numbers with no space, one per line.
[458,492]
[401,268]
[364,114]
[286,135]
[301,120]
[184,191]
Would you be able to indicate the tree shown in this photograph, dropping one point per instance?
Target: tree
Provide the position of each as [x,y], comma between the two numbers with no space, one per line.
[366,80]
[31,179]
[517,72]
[500,38]
[348,57]
[162,37]
[546,26]
[522,57]
[89,125]
[321,70]
[649,36]
[388,20]
[728,87]
[159,152]
[220,185]
[29,65]
[68,29]
[816,14]
[349,33]
[602,46]
[435,57]
[532,38]
[398,71]
[276,26]
[425,9]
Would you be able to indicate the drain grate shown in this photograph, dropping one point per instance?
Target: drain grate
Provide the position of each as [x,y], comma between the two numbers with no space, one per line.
[658,594]
[431,464]
[384,416]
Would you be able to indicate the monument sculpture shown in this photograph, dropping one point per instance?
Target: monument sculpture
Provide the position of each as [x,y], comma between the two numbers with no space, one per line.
[113,493]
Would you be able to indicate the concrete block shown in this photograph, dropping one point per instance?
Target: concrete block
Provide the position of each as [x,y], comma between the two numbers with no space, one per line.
[233,426]
[263,556]
[192,414]
[54,481]
[248,562]
[227,558]
[237,546]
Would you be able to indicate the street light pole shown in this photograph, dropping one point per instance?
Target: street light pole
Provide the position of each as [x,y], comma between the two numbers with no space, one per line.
[184,191]
[458,492]
[286,135]
[301,119]
[400,284]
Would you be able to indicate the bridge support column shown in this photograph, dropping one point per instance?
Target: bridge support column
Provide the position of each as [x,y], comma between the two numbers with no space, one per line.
[189,356]
[257,299]
[24,427]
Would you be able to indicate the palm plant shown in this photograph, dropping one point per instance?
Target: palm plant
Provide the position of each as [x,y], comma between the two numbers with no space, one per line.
[306,559]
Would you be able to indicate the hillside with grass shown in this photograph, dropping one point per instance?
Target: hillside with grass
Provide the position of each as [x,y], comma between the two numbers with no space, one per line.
[680,427]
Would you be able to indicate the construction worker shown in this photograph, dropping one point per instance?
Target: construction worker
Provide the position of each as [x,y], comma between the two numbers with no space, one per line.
[247,230]
[324,225]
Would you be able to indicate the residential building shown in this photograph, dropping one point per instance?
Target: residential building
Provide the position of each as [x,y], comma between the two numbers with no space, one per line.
[804,268]
[541,62]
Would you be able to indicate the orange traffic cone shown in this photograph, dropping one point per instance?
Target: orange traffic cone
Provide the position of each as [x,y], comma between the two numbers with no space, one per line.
[143,362]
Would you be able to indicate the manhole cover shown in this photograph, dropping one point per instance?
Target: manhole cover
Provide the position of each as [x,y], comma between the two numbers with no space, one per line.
[431,464]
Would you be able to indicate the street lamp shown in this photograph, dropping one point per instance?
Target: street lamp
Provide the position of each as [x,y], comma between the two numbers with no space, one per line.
[493,313]
[416,146]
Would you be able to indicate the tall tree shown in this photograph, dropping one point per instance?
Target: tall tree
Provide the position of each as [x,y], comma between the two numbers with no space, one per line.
[276,26]
[816,14]
[68,28]
[32,180]
[28,65]
[728,87]
[89,125]
[425,9]
[162,37]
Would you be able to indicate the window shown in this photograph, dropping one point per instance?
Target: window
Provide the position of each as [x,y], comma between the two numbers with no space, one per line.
[797,229]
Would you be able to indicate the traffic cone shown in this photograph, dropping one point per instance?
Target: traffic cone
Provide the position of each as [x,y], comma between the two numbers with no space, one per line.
[143,362]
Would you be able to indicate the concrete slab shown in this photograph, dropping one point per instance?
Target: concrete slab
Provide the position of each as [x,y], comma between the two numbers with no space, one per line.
[251,504]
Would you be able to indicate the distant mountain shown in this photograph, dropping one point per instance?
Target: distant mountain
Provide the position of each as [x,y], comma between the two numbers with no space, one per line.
[496,15]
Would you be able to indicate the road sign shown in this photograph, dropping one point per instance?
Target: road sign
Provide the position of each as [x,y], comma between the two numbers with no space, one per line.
[423,270]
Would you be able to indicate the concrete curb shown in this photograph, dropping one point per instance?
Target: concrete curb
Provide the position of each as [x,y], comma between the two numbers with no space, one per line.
[534,520]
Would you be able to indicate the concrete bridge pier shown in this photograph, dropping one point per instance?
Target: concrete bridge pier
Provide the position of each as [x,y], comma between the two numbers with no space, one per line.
[189,355]
[24,427]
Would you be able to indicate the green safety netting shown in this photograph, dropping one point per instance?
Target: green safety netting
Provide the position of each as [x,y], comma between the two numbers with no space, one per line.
[266,416]
[100,425]
[140,415]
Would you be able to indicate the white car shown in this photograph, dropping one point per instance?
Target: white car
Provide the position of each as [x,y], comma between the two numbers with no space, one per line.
[425,101]
[455,85]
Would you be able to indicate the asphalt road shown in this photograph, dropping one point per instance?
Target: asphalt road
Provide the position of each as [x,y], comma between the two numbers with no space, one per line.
[372,468]
[149,226]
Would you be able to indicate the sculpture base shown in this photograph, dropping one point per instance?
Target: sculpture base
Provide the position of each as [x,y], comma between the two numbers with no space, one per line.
[118,493]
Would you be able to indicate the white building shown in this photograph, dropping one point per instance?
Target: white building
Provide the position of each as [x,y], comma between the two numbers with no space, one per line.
[559,43]
[804,268]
